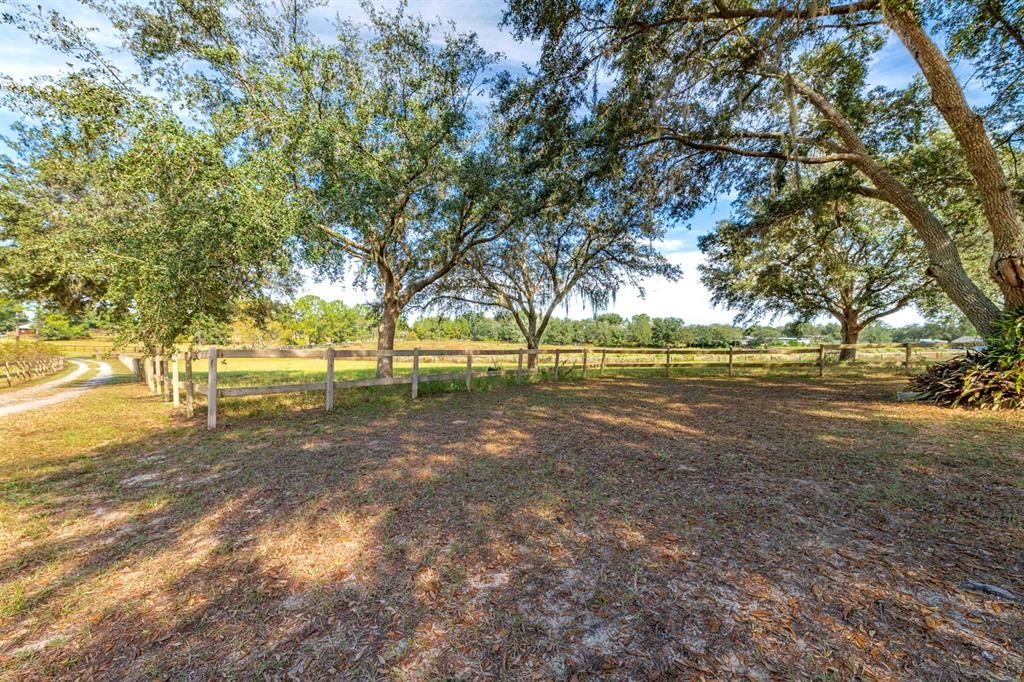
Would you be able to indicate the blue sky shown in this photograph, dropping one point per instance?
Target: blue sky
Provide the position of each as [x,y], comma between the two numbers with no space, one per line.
[687,298]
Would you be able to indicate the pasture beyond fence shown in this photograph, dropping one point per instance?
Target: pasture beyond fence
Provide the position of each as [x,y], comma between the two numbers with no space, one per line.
[165,378]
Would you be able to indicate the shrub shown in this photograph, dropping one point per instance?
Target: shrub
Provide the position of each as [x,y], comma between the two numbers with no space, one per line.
[25,351]
[992,378]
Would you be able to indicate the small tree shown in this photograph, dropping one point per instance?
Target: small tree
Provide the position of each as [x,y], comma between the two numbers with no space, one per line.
[666,331]
[588,247]
[640,330]
[847,258]
[312,320]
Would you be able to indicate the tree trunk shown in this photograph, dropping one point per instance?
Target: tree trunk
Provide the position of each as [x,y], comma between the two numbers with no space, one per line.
[1005,223]
[532,343]
[946,266]
[386,334]
[851,332]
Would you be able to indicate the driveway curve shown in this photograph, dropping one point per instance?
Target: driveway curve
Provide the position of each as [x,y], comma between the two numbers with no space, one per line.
[52,393]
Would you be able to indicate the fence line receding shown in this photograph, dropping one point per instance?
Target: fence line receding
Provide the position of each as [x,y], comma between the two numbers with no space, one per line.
[162,373]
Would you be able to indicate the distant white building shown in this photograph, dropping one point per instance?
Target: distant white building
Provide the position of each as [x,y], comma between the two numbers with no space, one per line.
[968,341]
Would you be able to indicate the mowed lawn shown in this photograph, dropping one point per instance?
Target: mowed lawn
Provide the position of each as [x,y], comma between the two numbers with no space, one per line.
[628,528]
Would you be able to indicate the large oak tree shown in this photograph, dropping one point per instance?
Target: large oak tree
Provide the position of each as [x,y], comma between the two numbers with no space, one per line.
[394,168]
[744,86]
[587,247]
[846,257]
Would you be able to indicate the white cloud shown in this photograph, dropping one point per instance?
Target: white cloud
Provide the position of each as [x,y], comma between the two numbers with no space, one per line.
[668,246]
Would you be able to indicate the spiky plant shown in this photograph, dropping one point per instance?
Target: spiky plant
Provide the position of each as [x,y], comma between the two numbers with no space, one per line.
[992,378]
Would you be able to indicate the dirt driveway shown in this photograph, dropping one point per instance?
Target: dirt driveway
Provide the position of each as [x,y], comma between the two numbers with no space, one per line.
[54,392]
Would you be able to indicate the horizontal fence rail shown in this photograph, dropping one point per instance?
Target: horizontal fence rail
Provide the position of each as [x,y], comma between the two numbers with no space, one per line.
[161,373]
[18,371]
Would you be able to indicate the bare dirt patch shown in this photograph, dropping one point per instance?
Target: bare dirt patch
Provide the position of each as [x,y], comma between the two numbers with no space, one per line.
[622,529]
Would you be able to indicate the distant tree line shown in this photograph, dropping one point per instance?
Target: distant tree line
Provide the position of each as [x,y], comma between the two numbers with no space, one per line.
[311,320]
[613,330]
[49,322]
[314,321]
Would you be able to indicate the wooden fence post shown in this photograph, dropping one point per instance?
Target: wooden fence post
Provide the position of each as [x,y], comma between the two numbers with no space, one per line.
[909,362]
[161,377]
[821,360]
[167,379]
[469,369]
[557,353]
[731,353]
[7,371]
[168,374]
[668,360]
[415,372]
[189,388]
[519,368]
[585,358]
[329,393]
[150,380]
[600,371]
[175,389]
[211,390]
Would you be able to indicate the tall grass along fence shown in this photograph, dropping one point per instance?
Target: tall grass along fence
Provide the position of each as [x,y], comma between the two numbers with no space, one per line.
[176,384]
[24,361]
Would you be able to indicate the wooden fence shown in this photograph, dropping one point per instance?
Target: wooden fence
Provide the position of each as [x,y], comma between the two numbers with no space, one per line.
[163,375]
[19,371]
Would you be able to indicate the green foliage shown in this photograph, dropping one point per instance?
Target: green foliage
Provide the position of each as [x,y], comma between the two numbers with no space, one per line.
[945,328]
[114,205]
[712,335]
[468,326]
[612,330]
[593,234]
[641,332]
[394,173]
[608,330]
[807,255]
[876,332]
[992,378]
[666,331]
[10,314]
[25,351]
[58,326]
[988,33]
[758,97]
[314,321]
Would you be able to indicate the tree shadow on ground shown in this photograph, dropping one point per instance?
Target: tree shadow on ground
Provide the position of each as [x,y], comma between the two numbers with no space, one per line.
[612,528]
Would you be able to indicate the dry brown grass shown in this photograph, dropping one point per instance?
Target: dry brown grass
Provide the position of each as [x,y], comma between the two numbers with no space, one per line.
[762,528]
